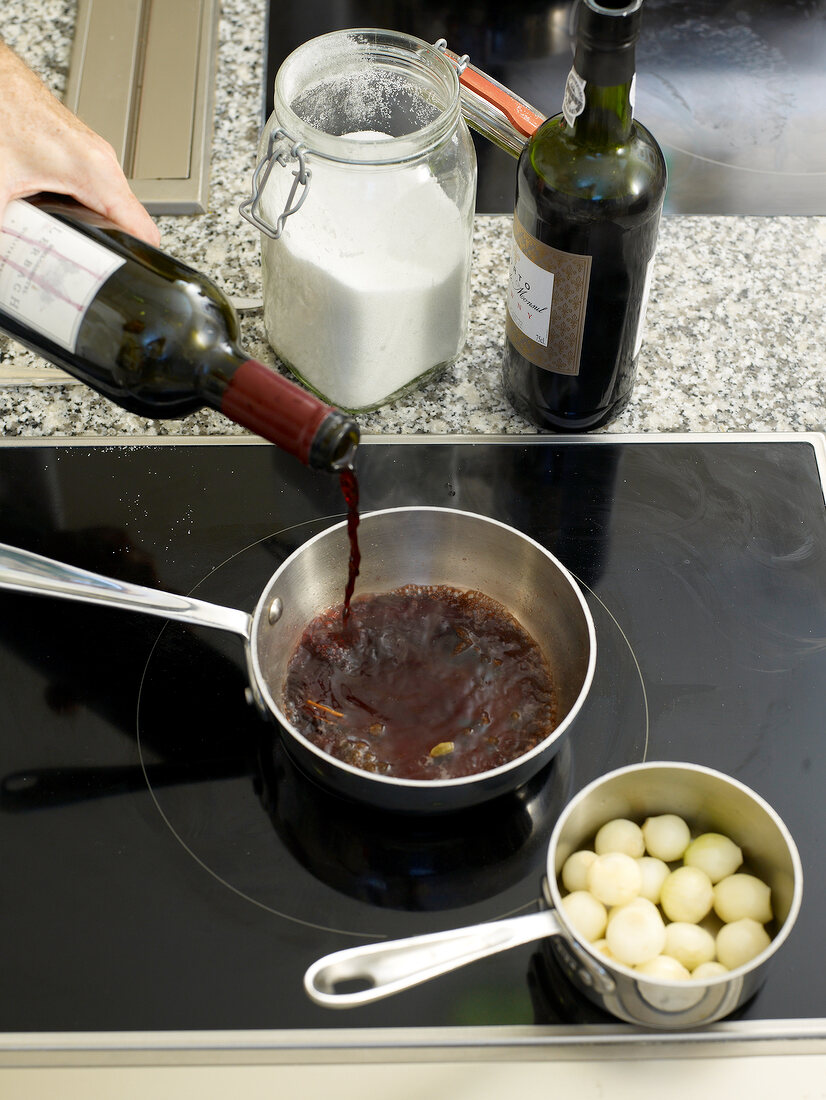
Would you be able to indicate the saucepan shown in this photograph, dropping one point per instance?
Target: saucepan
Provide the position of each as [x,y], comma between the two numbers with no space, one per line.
[708,801]
[399,546]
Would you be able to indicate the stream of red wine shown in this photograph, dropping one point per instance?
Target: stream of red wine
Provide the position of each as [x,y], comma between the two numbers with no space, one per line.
[350,491]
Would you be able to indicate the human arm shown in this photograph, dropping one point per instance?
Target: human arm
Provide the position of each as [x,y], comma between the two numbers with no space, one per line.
[45,147]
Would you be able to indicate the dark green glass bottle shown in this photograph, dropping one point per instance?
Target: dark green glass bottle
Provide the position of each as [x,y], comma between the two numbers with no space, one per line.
[148,332]
[590,188]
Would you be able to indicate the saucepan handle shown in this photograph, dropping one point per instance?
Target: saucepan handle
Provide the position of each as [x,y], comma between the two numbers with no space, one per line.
[387,968]
[24,571]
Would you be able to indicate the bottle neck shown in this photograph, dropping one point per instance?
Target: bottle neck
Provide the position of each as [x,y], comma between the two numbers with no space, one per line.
[598,106]
[263,401]
[602,115]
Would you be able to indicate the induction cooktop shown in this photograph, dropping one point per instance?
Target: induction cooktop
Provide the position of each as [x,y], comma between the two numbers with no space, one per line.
[734,90]
[170,874]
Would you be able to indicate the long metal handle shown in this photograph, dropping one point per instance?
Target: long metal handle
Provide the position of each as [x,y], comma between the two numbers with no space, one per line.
[390,967]
[24,571]
[494,111]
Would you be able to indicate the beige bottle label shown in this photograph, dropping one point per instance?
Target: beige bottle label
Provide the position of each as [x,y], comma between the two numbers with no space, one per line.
[547,294]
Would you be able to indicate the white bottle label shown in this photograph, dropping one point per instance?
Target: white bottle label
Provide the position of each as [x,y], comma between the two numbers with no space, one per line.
[530,295]
[49,272]
[573,102]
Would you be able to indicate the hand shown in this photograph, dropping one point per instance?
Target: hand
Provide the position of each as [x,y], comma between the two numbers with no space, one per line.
[44,147]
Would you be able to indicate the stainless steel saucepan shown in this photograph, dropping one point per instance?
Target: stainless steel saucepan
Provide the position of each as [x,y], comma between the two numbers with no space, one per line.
[708,801]
[399,546]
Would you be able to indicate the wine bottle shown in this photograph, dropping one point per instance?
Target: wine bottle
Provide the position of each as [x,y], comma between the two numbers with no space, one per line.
[589,192]
[143,329]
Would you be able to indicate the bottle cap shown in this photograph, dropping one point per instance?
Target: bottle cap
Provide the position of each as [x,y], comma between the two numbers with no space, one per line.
[262,400]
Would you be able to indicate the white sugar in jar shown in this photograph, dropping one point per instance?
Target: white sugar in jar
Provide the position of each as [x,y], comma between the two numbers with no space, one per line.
[366,283]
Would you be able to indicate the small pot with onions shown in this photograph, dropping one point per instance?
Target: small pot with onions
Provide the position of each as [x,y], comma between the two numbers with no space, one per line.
[463,663]
[669,889]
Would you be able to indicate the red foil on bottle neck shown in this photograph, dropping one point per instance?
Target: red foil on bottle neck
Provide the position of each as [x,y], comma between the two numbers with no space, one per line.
[273,407]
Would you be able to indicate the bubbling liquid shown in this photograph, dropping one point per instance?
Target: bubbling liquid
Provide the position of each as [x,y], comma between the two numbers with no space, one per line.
[425,682]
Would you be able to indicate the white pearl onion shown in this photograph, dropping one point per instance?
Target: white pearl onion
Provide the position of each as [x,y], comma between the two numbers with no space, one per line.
[620,835]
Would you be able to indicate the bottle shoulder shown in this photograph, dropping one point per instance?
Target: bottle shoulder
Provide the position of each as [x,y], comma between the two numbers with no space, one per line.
[556,133]
[556,159]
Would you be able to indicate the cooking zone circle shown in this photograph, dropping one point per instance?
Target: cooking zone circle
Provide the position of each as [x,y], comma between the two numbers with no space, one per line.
[232,797]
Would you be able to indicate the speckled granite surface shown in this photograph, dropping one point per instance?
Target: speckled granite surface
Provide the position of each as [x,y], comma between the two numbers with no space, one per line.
[736,329]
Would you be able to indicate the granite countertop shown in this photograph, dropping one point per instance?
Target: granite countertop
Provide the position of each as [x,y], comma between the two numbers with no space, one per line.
[736,324]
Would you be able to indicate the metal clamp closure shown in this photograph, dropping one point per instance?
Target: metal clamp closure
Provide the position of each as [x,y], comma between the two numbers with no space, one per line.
[461,63]
[251,209]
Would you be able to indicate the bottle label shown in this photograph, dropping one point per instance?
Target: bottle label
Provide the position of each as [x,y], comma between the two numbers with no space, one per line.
[573,102]
[49,272]
[547,295]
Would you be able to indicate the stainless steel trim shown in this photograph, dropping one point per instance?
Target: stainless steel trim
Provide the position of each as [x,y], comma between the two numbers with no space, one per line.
[817,440]
[38,374]
[362,1045]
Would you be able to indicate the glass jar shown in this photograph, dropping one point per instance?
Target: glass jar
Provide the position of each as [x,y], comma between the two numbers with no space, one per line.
[365,192]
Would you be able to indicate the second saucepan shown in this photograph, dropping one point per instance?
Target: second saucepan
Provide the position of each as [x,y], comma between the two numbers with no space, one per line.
[708,800]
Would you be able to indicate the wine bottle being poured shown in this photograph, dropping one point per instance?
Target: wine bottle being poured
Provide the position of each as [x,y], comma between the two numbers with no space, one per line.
[148,332]
[590,188]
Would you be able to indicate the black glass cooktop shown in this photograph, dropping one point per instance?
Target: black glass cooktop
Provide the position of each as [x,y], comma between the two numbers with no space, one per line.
[734,90]
[165,866]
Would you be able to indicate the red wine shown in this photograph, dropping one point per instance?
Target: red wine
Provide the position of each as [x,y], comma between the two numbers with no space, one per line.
[426,682]
[350,491]
[590,189]
[148,332]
